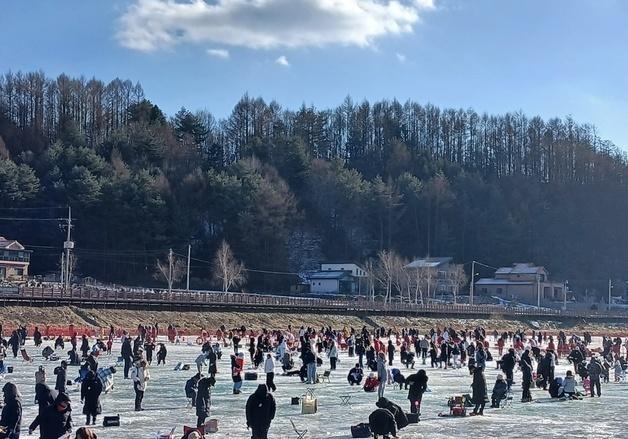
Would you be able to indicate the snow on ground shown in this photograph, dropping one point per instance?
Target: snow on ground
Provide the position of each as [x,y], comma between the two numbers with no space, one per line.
[166,405]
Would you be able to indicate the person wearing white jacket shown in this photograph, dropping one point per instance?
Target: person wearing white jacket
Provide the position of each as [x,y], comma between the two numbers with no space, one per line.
[269,368]
[281,350]
[140,377]
[333,355]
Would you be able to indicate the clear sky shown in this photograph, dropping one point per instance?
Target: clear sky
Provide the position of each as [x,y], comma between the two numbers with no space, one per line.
[543,57]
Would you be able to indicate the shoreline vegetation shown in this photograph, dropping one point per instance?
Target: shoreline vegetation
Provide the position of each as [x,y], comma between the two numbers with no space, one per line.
[194,322]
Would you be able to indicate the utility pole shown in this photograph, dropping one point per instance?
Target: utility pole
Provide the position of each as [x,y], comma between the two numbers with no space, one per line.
[610,288]
[170,257]
[565,286]
[188,277]
[68,245]
[472,283]
[538,291]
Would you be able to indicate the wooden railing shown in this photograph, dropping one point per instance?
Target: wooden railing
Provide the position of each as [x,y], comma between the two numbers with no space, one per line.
[207,299]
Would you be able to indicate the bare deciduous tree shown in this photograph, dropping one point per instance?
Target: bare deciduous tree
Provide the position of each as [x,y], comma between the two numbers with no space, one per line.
[172,270]
[227,268]
[389,273]
[459,279]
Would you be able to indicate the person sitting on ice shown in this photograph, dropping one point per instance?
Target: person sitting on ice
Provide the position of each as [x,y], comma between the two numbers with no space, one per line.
[287,363]
[397,377]
[59,343]
[355,375]
[500,389]
[568,388]
[371,383]
[105,374]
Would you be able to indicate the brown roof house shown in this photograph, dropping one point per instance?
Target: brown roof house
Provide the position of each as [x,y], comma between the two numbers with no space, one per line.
[523,282]
[14,260]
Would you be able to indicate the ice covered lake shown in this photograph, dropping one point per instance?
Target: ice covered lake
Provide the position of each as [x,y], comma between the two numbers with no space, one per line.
[166,405]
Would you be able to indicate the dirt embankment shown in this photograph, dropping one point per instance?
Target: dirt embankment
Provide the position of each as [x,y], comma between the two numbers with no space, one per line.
[195,321]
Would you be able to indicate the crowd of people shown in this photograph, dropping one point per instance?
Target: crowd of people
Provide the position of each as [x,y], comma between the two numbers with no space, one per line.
[301,352]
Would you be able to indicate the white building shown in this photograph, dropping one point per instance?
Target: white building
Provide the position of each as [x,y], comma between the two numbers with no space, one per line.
[336,278]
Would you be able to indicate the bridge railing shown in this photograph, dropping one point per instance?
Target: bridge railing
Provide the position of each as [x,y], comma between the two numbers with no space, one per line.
[123,295]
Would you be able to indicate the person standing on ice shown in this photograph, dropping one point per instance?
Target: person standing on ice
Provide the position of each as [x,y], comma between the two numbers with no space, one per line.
[54,421]
[191,388]
[237,364]
[479,391]
[127,355]
[260,411]
[203,400]
[525,364]
[382,374]
[391,352]
[140,377]
[595,370]
[11,418]
[309,359]
[161,354]
[333,355]
[61,373]
[91,389]
[269,368]
[417,387]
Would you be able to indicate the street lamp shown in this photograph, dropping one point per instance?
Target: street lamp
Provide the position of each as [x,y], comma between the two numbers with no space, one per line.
[538,291]
[565,288]
[473,274]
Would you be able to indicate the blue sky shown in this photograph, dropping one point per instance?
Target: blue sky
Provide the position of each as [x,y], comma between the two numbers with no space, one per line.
[551,58]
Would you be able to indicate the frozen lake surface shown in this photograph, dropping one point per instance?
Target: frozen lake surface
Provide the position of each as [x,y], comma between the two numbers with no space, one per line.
[166,405]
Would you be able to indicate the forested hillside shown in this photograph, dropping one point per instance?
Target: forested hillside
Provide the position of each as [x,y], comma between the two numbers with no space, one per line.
[288,188]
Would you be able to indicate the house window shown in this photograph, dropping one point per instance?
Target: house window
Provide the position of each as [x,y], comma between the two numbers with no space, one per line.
[500,291]
[19,272]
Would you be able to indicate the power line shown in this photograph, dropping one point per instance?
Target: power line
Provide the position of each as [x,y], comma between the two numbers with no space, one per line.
[31,208]
[246,269]
[31,219]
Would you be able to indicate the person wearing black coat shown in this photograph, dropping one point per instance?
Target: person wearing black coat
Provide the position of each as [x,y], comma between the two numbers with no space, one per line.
[212,359]
[500,390]
[127,355]
[59,343]
[55,420]
[479,391]
[44,397]
[149,347]
[508,363]
[74,358]
[11,418]
[161,354]
[91,362]
[400,417]
[37,337]
[417,384]
[91,388]
[84,346]
[61,373]
[191,388]
[203,400]
[260,411]
[14,342]
[382,421]
[525,364]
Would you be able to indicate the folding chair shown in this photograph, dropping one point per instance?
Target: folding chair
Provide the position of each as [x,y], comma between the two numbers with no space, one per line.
[300,433]
[345,399]
[507,401]
[326,376]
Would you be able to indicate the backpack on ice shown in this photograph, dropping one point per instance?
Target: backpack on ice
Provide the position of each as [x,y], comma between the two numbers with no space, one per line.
[361,431]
